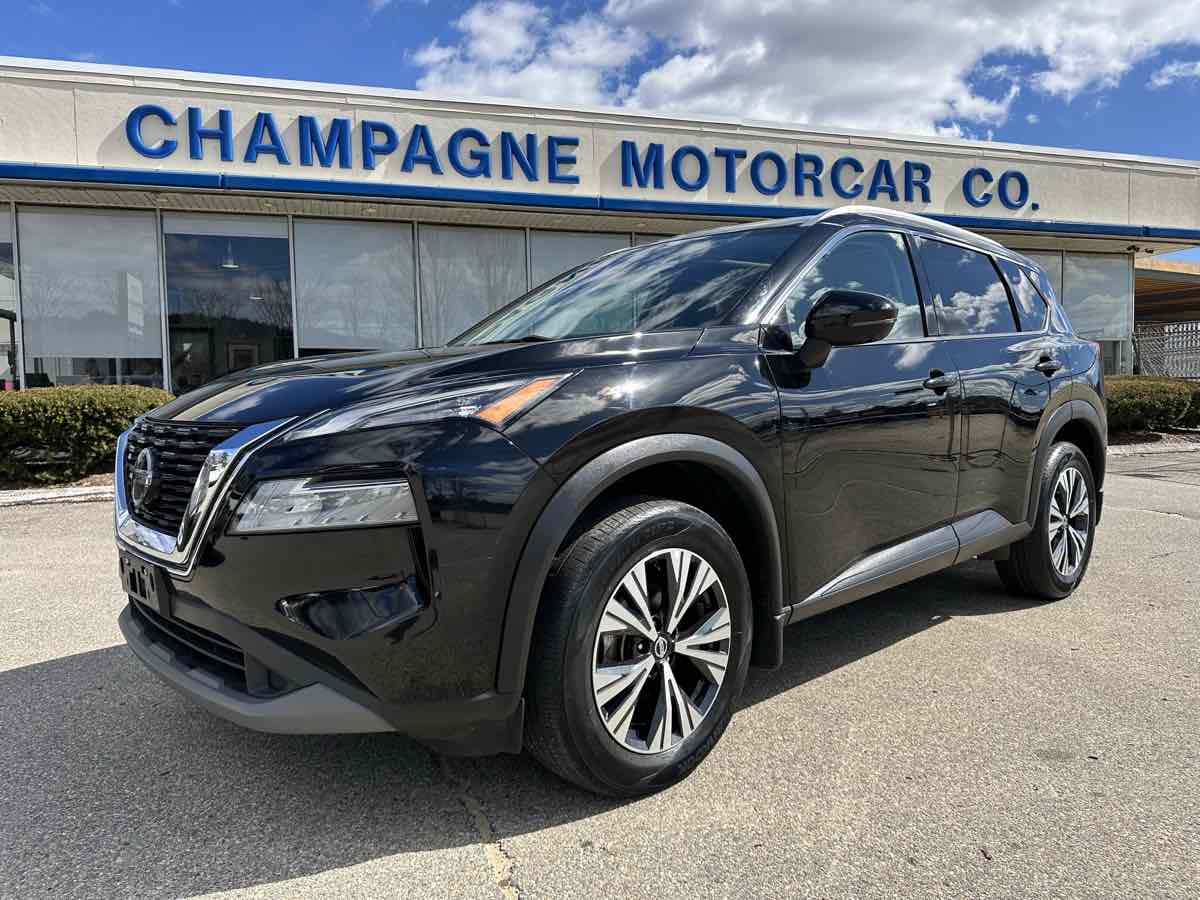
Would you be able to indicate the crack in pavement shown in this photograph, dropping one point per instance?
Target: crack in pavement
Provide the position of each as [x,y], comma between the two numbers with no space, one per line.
[1159,512]
[503,866]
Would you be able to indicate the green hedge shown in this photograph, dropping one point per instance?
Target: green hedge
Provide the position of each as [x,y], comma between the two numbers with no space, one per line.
[1142,403]
[1191,419]
[58,434]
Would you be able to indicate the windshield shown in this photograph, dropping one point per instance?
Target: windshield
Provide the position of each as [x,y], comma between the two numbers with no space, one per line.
[686,283]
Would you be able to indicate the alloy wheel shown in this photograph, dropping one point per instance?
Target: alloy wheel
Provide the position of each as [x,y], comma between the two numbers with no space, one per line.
[1070,522]
[661,650]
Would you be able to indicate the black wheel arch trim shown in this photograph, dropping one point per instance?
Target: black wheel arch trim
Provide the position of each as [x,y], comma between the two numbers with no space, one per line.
[1070,411]
[587,483]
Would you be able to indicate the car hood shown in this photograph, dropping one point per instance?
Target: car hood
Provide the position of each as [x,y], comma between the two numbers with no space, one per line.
[302,387]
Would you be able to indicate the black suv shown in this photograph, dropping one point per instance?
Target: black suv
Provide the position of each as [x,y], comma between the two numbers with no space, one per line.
[575,527]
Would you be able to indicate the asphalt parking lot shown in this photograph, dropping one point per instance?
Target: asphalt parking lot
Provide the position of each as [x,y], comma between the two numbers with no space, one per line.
[942,739]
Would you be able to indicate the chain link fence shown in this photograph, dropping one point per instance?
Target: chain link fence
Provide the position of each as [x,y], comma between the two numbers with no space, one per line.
[1170,349]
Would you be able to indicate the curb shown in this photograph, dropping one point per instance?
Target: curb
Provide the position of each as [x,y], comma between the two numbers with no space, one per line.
[47,496]
[1151,449]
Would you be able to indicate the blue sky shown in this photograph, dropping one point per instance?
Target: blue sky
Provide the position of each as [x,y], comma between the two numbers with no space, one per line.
[1121,76]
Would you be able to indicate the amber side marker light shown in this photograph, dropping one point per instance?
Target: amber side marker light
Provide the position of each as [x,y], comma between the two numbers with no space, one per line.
[522,398]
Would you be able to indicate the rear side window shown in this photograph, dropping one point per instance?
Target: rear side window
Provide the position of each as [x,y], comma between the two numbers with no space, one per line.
[873,261]
[967,290]
[1031,308]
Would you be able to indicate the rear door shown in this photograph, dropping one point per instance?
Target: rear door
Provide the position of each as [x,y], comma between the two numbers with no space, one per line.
[982,304]
[870,443]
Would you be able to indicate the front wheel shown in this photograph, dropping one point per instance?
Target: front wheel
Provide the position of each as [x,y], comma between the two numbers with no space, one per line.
[1052,559]
[640,649]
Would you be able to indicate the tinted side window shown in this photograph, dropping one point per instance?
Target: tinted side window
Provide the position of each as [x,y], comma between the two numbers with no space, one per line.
[968,292]
[1031,308]
[873,261]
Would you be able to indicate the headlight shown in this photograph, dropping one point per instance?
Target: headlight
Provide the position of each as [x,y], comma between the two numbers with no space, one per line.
[299,504]
[497,403]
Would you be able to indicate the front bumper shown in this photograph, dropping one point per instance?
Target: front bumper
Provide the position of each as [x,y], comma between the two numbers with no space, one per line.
[312,709]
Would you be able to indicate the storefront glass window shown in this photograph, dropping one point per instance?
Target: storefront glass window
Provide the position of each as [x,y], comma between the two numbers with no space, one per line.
[8,304]
[553,252]
[90,297]
[467,273]
[229,296]
[1051,262]
[1098,294]
[354,286]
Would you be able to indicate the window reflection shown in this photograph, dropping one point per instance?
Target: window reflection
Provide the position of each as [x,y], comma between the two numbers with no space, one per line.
[354,286]
[229,299]
[1098,294]
[554,252]
[467,273]
[968,292]
[8,305]
[90,297]
[876,262]
[1031,308]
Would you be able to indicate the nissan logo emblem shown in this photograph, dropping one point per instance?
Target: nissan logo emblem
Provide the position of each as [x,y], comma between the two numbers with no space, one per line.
[143,479]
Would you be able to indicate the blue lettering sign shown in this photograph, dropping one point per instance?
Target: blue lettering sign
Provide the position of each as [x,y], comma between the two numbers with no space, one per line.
[372,147]
[643,171]
[916,178]
[883,182]
[680,177]
[808,171]
[420,150]
[482,161]
[264,126]
[133,131]
[731,156]
[197,134]
[968,186]
[555,157]
[756,166]
[835,177]
[338,142]
[1002,189]
[526,159]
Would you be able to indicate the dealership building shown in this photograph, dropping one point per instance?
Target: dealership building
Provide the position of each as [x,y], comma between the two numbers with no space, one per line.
[163,227]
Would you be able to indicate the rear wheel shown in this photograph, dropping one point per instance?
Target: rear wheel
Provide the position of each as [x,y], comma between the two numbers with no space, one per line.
[640,649]
[1052,559]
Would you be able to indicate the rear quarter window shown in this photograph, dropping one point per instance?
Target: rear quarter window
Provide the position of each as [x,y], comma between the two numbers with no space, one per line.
[1031,308]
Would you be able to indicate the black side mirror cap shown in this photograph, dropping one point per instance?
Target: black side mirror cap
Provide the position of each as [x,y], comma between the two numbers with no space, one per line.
[848,318]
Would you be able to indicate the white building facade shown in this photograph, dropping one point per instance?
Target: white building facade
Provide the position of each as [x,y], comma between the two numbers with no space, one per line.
[164,228]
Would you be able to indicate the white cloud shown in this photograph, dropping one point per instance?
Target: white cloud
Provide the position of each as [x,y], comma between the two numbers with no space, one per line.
[1032,118]
[513,48]
[949,67]
[374,6]
[1172,72]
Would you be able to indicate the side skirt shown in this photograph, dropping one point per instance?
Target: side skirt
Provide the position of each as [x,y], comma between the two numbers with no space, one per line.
[924,554]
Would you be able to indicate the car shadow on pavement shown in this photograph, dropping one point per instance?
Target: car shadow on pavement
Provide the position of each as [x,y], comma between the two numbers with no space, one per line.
[115,785]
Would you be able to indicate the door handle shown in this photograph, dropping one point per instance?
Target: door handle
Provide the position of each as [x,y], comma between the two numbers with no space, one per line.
[938,381]
[1048,365]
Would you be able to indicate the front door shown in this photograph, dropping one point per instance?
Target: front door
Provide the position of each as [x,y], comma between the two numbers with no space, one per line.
[870,437]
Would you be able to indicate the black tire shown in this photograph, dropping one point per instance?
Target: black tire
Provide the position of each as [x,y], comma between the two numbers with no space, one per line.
[564,730]
[1030,568]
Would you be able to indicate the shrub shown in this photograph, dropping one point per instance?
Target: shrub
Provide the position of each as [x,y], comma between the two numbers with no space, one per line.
[62,433]
[1140,403]
[1191,419]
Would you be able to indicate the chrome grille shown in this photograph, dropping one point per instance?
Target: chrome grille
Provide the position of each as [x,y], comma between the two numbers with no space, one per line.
[181,449]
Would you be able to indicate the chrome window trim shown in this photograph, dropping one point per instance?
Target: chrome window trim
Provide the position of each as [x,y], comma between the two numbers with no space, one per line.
[177,553]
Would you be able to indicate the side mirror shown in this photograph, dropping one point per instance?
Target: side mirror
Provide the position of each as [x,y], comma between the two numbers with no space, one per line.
[847,318]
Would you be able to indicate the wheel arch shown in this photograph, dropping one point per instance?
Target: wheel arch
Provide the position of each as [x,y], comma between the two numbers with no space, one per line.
[1076,421]
[633,465]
